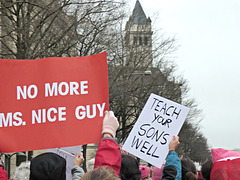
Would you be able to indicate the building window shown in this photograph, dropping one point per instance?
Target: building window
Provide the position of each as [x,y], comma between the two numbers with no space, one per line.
[145,40]
[135,40]
[140,40]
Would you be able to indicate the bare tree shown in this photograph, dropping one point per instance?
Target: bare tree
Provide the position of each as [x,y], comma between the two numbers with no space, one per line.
[193,143]
[35,28]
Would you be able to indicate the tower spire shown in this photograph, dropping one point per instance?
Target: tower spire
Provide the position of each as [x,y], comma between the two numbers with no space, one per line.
[138,15]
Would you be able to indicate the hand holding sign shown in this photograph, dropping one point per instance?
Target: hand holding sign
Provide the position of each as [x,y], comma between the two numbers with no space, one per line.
[159,121]
[79,160]
[110,124]
[174,143]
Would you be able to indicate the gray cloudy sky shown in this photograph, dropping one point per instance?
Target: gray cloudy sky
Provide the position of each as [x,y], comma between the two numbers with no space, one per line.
[209,58]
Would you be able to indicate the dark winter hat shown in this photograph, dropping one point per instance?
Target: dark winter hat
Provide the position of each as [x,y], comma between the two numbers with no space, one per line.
[48,166]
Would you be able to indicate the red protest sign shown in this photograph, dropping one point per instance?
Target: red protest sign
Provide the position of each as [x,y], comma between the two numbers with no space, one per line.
[52,102]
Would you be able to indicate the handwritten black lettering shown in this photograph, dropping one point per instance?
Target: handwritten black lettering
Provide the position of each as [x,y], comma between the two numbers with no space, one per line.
[170,107]
[136,142]
[150,132]
[153,155]
[165,109]
[177,113]
[157,136]
[156,117]
[144,131]
[164,139]
[157,102]
[144,147]
[161,120]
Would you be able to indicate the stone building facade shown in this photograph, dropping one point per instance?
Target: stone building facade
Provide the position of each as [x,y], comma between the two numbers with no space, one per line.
[138,38]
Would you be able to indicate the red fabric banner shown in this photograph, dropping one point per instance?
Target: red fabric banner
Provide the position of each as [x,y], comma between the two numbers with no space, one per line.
[52,102]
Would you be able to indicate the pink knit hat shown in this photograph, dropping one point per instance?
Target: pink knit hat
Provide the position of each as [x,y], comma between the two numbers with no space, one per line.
[226,170]
[157,173]
[144,171]
[220,153]
[226,164]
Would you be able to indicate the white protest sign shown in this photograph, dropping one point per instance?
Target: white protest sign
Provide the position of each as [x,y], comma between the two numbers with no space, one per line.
[73,149]
[159,121]
[68,154]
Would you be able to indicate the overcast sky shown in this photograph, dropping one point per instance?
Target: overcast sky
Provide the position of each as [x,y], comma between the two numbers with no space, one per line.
[209,58]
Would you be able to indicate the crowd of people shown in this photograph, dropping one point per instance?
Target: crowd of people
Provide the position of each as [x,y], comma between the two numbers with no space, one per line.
[110,164]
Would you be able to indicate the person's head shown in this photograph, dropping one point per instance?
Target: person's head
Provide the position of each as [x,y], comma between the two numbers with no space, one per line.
[189,171]
[226,164]
[90,164]
[206,169]
[129,168]
[101,173]
[145,172]
[228,169]
[22,172]
[48,166]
